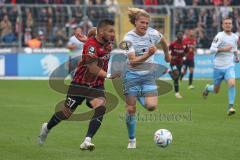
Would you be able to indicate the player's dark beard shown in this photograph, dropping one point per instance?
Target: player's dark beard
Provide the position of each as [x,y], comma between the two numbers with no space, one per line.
[105,40]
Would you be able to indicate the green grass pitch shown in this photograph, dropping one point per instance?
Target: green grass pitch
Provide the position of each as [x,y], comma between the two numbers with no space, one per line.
[201,131]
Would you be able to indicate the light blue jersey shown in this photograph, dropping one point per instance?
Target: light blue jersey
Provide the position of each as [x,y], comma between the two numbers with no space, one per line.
[141,44]
[224,60]
[140,80]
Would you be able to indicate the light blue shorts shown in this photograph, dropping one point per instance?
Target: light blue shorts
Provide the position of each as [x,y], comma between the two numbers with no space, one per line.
[139,85]
[223,74]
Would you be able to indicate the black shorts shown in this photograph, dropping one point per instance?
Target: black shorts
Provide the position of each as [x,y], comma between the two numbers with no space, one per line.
[78,93]
[188,63]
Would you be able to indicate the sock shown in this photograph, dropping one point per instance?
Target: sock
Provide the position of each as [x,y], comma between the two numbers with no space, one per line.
[56,118]
[181,76]
[141,100]
[210,88]
[96,121]
[131,125]
[231,95]
[88,139]
[230,106]
[176,87]
[190,78]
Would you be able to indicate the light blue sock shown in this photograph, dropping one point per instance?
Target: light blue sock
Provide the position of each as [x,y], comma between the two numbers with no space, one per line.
[210,88]
[231,94]
[131,125]
[141,100]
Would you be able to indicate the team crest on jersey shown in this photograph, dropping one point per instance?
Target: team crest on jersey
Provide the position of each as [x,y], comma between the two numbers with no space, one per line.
[91,50]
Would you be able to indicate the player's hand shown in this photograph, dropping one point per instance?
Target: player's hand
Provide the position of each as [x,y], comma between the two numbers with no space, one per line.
[168,58]
[81,37]
[184,58]
[228,48]
[92,32]
[152,50]
[114,75]
[236,59]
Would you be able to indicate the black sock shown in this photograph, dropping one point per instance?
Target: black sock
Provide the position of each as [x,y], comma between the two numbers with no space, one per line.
[176,87]
[96,121]
[190,78]
[181,76]
[56,118]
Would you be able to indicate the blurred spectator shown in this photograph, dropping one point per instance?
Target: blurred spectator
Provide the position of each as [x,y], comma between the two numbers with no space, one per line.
[2,2]
[112,7]
[235,2]
[179,3]
[86,25]
[151,3]
[225,10]
[217,2]
[7,35]
[36,42]
[29,21]
[27,36]
[138,2]
[70,25]
[60,39]
[75,44]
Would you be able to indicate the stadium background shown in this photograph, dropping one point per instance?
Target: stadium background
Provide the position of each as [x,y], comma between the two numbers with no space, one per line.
[54,21]
[201,128]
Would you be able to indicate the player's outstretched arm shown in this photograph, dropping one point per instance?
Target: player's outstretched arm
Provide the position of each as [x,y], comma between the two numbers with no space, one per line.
[164,45]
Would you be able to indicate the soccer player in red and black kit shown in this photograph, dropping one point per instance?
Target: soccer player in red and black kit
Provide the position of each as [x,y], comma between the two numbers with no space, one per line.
[88,83]
[178,50]
[190,41]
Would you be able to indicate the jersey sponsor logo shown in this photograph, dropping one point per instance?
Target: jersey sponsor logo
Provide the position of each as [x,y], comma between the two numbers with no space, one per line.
[91,50]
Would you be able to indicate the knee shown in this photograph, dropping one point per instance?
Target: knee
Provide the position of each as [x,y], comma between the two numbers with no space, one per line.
[232,84]
[151,107]
[216,90]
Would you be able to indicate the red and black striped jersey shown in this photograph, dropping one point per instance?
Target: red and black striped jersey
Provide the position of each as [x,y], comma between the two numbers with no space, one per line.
[93,51]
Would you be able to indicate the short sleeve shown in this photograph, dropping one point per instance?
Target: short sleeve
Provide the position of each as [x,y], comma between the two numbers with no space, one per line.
[129,42]
[156,36]
[89,54]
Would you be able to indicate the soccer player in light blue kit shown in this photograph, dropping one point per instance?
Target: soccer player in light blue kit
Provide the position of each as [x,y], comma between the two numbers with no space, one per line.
[224,46]
[139,79]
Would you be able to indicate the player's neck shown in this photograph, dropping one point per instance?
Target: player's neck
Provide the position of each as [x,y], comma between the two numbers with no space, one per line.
[228,32]
[139,33]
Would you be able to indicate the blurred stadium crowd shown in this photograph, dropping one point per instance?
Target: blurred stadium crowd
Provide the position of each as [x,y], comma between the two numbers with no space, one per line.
[54,24]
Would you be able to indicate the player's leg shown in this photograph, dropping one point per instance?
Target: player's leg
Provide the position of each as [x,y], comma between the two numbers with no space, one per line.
[149,90]
[230,77]
[191,69]
[218,76]
[131,120]
[131,91]
[184,71]
[98,104]
[175,77]
[66,111]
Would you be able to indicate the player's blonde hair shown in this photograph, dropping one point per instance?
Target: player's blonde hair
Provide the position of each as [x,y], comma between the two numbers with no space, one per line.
[135,13]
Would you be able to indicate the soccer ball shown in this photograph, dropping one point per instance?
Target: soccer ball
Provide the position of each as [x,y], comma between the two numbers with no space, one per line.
[163,137]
